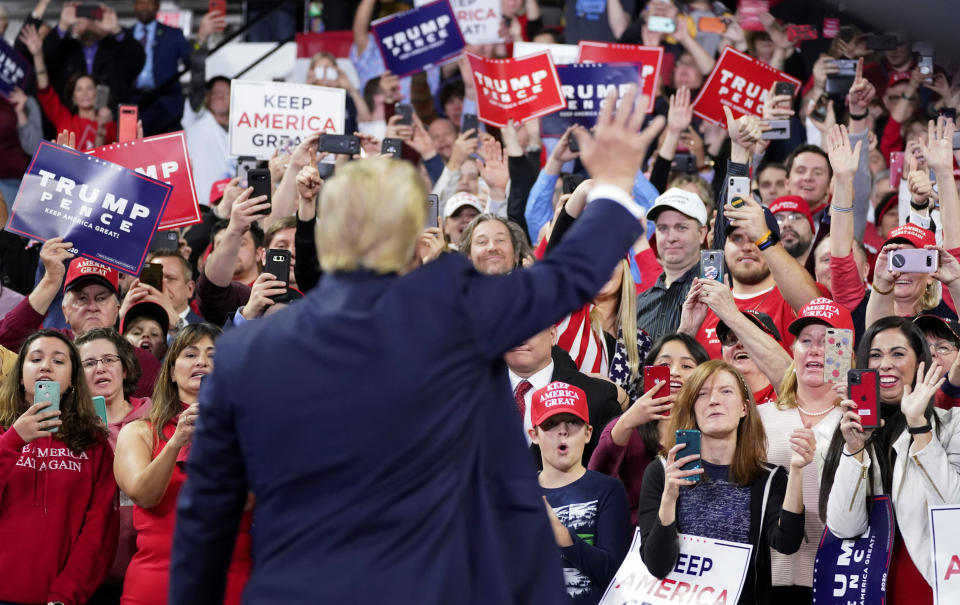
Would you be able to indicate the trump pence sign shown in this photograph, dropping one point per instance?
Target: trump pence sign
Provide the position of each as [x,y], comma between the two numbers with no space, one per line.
[515,88]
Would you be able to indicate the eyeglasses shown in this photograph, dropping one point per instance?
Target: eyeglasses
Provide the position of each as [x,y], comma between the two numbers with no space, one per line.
[106,360]
[100,300]
[783,218]
[942,349]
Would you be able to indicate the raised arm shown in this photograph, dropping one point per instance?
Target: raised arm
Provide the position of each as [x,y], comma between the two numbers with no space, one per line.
[938,150]
[858,101]
[284,201]
[361,24]
[219,267]
[618,18]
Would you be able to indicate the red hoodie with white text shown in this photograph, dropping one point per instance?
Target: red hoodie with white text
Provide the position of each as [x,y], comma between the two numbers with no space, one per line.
[58,519]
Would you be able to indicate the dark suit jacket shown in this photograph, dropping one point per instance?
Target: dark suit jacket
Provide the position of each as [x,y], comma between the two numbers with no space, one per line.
[116,64]
[162,109]
[374,422]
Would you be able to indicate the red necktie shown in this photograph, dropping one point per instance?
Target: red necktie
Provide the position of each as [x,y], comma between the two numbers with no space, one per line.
[522,387]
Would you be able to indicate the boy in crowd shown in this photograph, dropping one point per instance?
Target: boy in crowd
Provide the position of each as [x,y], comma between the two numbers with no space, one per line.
[588,510]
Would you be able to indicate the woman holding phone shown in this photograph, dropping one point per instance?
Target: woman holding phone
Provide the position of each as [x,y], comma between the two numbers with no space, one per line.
[150,469]
[112,372]
[911,456]
[93,125]
[58,527]
[632,440]
[736,496]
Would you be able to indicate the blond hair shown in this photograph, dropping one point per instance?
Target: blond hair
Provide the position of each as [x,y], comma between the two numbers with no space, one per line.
[370,215]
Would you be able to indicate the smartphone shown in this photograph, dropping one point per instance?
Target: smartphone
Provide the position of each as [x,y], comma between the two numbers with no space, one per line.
[89,10]
[152,275]
[165,240]
[127,124]
[656,378]
[278,264]
[572,181]
[217,6]
[711,264]
[330,74]
[778,130]
[259,179]
[346,144]
[103,96]
[47,391]
[392,146]
[573,144]
[433,210]
[405,110]
[692,439]
[838,354]
[863,387]
[100,406]
[737,186]
[661,25]
[838,84]
[712,25]
[685,163]
[915,260]
[882,42]
[948,112]
[925,65]
[470,123]
[956,140]
[785,88]
[819,112]
[896,168]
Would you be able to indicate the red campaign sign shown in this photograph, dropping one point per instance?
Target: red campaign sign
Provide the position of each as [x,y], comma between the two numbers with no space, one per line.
[739,82]
[750,11]
[648,57]
[162,157]
[523,88]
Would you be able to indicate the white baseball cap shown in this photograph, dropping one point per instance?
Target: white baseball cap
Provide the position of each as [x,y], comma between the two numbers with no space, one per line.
[683,202]
[458,201]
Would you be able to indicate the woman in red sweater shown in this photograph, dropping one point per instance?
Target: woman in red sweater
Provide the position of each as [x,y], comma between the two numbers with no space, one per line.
[151,457]
[58,525]
[94,127]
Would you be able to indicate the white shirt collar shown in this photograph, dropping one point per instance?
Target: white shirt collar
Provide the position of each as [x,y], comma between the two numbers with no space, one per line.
[538,380]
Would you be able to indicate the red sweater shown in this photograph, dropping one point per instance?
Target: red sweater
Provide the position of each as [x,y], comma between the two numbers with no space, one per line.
[64,120]
[58,519]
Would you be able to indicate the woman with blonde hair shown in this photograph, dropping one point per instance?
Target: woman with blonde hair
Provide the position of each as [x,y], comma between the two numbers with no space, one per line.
[806,401]
[737,496]
[603,337]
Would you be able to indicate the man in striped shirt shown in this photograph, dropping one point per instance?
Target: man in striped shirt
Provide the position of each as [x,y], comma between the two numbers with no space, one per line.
[681,226]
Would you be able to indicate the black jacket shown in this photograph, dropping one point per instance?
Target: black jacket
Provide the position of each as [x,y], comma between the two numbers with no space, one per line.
[601,399]
[782,530]
[117,63]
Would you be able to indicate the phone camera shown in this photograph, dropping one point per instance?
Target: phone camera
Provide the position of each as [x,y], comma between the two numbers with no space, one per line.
[898,260]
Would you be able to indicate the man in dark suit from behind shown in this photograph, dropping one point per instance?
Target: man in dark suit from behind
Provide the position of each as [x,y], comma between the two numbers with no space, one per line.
[383,447]
[158,91]
[536,362]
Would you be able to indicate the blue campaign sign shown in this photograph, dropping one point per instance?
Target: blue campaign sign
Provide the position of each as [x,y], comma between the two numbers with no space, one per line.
[585,86]
[108,212]
[416,39]
[13,69]
[854,571]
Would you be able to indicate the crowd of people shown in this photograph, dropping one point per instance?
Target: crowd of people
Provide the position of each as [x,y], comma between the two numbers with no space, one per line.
[734,293]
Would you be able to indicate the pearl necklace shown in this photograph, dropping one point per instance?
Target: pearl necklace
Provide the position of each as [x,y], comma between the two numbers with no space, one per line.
[826,411]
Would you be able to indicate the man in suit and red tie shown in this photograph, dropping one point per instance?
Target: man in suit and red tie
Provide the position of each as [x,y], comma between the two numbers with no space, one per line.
[373,421]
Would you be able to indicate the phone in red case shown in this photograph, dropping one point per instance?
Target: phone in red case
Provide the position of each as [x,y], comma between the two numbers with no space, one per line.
[863,387]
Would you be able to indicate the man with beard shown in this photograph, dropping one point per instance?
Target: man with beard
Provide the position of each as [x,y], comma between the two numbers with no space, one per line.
[764,277]
[796,225]
[494,245]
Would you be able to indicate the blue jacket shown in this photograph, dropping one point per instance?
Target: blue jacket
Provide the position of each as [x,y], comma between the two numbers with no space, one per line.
[374,423]
[171,51]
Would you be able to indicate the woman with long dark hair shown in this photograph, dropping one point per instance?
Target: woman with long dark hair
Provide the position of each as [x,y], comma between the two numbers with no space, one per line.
[907,457]
[632,440]
[58,527]
[736,496]
[151,454]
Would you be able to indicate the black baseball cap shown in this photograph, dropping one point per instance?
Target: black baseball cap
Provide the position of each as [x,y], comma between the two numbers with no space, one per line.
[759,318]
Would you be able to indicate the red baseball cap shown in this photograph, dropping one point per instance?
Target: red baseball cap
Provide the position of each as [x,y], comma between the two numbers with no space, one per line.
[911,234]
[792,203]
[822,311]
[558,398]
[217,189]
[83,271]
